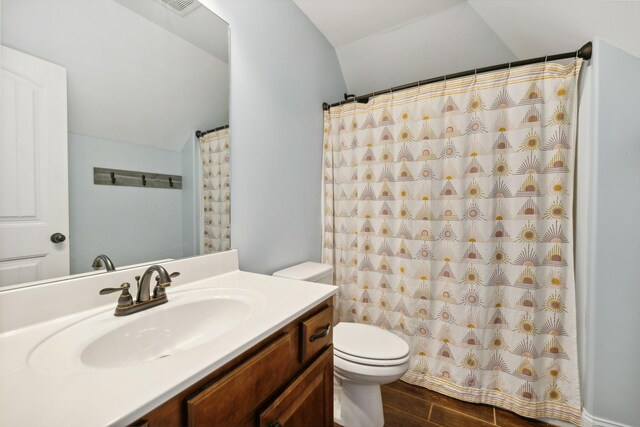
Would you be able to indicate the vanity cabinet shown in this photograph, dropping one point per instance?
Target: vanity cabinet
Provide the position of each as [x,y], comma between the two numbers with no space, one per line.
[285,380]
[308,401]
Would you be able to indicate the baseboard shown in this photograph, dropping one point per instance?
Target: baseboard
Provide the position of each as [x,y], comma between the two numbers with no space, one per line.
[589,420]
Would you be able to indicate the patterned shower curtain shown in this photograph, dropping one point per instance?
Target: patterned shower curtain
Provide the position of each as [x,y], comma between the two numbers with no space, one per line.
[216,200]
[449,221]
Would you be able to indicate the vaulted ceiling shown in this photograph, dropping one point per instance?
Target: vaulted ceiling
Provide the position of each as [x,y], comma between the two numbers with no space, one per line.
[345,21]
[382,43]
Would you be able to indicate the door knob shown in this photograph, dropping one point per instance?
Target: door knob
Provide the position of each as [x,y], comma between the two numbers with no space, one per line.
[58,237]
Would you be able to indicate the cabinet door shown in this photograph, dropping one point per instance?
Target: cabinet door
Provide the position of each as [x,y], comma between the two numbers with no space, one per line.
[308,401]
[232,401]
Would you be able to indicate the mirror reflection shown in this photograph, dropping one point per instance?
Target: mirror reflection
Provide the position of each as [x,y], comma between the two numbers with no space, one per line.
[100,165]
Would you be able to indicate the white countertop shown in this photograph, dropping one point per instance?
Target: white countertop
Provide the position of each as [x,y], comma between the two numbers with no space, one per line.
[117,396]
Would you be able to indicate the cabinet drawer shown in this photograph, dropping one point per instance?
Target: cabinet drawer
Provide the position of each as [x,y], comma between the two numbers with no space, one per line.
[308,401]
[316,333]
[243,389]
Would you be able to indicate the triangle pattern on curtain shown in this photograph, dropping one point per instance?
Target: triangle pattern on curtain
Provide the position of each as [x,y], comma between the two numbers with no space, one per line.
[449,221]
[216,192]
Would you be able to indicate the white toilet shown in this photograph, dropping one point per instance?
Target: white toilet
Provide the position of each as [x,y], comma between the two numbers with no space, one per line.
[364,358]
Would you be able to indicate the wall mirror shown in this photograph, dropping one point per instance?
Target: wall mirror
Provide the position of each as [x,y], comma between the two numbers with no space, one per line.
[100,104]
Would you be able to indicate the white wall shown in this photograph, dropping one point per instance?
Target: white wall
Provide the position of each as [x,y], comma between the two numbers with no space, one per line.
[129,224]
[282,69]
[613,317]
[454,40]
[129,79]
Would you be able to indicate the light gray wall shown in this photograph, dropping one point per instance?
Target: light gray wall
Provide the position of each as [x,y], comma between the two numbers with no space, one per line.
[583,184]
[191,182]
[282,69]
[613,388]
[129,224]
[129,79]
[456,39]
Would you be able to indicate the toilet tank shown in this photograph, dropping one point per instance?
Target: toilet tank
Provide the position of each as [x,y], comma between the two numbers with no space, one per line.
[309,271]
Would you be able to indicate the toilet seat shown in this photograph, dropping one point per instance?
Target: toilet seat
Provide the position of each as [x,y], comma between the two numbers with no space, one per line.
[369,361]
[369,374]
[368,345]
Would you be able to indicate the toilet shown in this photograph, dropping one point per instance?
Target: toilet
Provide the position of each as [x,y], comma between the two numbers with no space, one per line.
[364,358]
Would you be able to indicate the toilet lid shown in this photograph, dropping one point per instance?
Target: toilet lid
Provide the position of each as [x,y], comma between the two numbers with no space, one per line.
[367,342]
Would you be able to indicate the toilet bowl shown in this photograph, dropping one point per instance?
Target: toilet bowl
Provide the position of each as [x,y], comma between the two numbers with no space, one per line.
[364,358]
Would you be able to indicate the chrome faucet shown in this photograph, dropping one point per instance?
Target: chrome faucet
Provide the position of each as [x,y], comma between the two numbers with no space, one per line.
[144,299]
[103,261]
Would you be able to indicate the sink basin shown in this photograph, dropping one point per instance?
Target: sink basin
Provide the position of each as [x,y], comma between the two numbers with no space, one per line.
[164,332]
[190,319]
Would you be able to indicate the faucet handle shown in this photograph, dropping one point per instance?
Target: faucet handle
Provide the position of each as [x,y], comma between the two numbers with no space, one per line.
[124,287]
[172,275]
[125,299]
[158,290]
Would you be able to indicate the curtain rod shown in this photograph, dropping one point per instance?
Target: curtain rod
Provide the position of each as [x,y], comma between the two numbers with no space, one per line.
[584,52]
[203,133]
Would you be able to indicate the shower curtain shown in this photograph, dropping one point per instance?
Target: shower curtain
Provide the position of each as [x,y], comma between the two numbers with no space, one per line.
[216,205]
[448,219]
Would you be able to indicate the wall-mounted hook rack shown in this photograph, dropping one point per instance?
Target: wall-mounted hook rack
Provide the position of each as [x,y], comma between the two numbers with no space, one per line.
[125,178]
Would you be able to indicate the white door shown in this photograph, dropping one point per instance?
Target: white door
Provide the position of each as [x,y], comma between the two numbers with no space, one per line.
[33,169]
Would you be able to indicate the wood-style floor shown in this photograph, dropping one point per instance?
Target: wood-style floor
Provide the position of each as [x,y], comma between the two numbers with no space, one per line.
[406,405]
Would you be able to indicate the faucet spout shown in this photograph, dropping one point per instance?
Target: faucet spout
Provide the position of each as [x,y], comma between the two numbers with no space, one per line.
[103,261]
[144,284]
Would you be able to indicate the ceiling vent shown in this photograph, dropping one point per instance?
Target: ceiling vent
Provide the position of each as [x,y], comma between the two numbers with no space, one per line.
[180,7]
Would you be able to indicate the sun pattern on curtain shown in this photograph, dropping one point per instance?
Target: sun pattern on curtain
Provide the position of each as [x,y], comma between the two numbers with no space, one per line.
[449,221]
[216,194]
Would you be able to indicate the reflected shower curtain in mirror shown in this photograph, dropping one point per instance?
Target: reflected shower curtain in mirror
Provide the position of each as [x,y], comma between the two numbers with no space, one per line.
[449,221]
[216,193]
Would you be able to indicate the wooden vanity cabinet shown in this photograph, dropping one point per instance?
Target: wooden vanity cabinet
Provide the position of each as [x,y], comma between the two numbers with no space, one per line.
[308,400]
[285,380]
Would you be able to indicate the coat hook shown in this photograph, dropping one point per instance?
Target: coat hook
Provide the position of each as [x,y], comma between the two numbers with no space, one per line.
[113,177]
[170,182]
[144,180]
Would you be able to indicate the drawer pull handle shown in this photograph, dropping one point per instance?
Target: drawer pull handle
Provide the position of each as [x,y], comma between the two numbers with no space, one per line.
[275,424]
[323,333]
